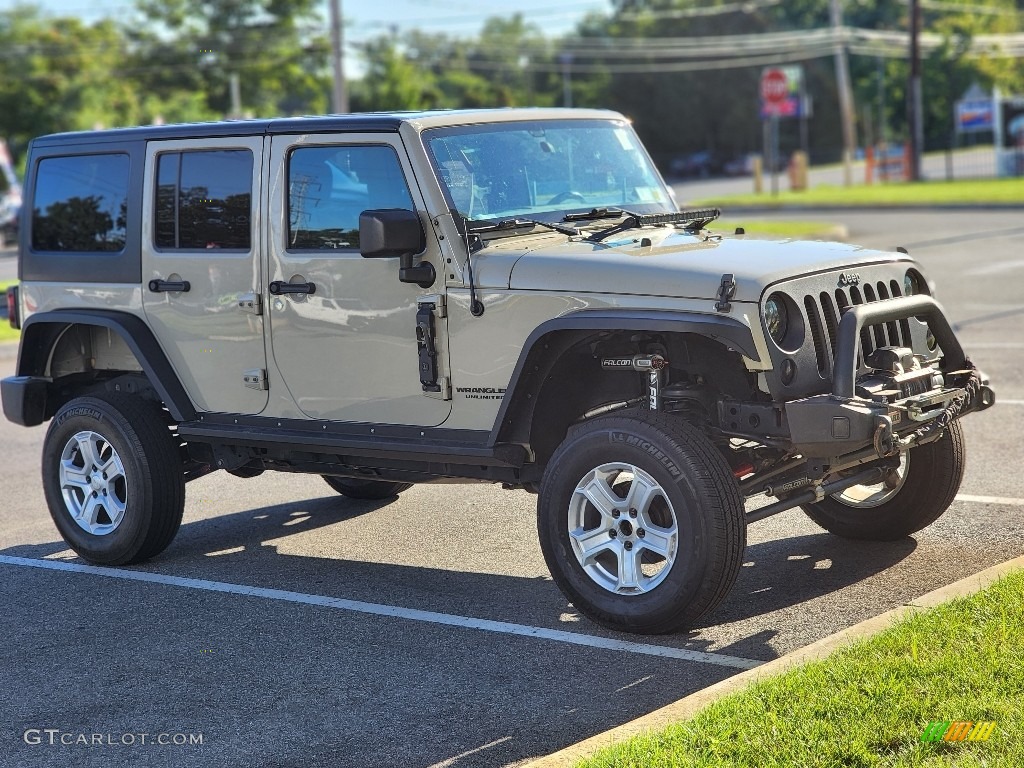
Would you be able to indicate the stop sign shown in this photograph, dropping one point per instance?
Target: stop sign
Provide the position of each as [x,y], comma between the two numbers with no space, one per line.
[774,86]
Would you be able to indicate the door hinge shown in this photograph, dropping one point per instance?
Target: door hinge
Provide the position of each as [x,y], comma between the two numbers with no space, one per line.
[428,310]
[255,379]
[251,303]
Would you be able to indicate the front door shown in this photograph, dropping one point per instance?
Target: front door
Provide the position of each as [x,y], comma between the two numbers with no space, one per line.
[346,349]
[201,268]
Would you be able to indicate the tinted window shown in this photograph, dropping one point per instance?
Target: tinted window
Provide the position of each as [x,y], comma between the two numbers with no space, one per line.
[204,200]
[81,203]
[328,187]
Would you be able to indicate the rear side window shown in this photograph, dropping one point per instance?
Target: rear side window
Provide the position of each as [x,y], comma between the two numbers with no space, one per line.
[80,203]
[204,200]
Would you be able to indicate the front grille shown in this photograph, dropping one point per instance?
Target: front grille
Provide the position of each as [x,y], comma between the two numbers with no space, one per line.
[825,309]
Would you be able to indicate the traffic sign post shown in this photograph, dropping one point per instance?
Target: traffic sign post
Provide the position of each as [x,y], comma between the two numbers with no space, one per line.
[782,95]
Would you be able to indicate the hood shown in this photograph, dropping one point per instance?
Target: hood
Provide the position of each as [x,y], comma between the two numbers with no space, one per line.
[664,262]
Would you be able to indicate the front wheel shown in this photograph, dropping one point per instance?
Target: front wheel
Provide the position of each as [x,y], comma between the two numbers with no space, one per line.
[113,478]
[911,497]
[641,522]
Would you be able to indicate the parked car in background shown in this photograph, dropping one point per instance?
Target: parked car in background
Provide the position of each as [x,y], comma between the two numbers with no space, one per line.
[740,166]
[699,165]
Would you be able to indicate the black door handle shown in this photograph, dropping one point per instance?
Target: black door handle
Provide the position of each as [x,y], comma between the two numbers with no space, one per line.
[279,286]
[165,286]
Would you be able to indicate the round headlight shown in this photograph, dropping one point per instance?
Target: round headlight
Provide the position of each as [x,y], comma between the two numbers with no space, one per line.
[776,317]
[914,284]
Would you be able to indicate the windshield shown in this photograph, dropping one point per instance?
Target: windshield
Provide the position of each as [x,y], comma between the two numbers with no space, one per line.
[544,168]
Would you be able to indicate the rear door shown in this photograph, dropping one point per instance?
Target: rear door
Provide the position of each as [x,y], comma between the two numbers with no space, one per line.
[201,228]
[347,350]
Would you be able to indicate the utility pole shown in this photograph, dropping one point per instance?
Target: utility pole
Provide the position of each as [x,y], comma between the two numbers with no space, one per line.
[914,103]
[845,92]
[339,97]
[236,97]
[566,59]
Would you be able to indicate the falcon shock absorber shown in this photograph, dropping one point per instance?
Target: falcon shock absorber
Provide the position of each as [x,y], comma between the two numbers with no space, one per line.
[652,365]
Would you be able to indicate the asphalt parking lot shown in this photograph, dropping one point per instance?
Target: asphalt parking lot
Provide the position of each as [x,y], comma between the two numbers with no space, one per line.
[287,626]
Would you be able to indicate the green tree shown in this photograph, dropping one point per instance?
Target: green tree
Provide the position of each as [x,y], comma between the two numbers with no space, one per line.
[60,75]
[507,65]
[275,47]
[393,81]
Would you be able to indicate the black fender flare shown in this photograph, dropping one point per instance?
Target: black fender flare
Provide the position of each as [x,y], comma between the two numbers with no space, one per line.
[42,330]
[552,338]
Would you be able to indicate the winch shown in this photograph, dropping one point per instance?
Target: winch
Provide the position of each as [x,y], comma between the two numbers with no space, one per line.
[897,373]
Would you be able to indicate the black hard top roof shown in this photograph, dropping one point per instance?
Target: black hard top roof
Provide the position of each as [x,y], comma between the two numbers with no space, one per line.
[386,122]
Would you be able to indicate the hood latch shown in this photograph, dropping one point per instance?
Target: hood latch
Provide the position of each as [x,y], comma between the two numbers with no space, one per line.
[726,291]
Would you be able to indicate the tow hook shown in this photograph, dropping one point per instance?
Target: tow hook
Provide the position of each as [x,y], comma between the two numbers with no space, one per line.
[884,439]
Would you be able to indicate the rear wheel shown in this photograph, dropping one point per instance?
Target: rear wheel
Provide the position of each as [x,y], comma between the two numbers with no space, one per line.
[355,488]
[641,522]
[911,497]
[113,478]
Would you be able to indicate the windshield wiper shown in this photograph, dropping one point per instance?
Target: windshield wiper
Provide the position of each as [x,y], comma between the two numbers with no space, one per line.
[597,213]
[694,220]
[519,223]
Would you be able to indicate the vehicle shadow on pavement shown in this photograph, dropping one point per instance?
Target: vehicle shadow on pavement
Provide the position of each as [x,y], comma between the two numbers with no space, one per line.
[787,572]
[246,548]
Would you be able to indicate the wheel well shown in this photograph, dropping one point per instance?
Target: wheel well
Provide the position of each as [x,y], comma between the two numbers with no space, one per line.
[567,381]
[81,353]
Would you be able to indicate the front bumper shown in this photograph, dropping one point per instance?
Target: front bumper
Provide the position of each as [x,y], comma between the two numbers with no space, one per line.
[839,423]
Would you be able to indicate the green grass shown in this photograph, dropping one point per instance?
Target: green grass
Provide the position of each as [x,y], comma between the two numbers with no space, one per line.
[6,332]
[974,192]
[760,227]
[868,704]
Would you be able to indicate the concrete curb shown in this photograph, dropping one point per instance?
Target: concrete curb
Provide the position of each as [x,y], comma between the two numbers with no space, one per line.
[8,350]
[688,706]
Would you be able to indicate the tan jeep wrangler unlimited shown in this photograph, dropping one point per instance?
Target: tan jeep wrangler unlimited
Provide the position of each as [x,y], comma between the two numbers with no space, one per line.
[509,296]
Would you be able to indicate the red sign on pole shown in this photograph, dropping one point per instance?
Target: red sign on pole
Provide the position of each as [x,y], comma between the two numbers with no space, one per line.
[782,92]
[774,86]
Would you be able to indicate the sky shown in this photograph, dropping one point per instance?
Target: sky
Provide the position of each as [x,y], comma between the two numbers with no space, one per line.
[365,19]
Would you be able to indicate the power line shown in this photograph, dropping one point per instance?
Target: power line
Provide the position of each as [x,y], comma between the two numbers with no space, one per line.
[749,6]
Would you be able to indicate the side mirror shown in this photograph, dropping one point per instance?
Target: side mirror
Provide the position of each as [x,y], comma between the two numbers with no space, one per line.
[390,232]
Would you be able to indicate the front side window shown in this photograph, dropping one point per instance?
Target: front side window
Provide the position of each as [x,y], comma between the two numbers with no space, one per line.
[81,203]
[328,187]
[204,200]
[544,168]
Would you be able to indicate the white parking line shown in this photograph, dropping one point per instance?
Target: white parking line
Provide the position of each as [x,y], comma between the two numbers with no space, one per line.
[394,611]
[990,500]
[453,760]
[1009,402]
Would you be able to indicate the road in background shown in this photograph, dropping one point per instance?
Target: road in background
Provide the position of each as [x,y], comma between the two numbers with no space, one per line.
[288,680]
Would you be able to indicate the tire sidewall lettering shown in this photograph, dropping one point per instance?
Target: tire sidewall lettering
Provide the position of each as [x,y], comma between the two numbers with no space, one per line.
[634,440]
[79,411]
